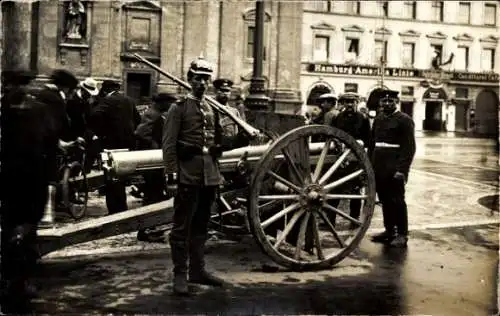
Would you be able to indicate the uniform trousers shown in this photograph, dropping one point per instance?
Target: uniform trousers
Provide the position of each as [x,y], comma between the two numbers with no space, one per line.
[391,193]
[192,209]
[116,196]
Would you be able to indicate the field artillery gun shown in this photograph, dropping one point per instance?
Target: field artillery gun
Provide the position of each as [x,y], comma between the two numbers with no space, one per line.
[287,191]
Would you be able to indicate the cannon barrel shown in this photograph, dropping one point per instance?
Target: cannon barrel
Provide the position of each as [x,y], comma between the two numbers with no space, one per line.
[249,129]
[122,163]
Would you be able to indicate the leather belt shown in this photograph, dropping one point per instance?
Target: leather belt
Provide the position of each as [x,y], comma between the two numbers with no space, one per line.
[386,145]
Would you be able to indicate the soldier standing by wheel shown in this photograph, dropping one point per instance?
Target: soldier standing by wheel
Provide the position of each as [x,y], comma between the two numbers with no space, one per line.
[393,149]
[28,158]
[357,125]
[193,140]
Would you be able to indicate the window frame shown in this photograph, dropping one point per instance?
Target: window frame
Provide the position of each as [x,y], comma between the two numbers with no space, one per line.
[412,43]
[384,51]
[353,7]
[492,60]
[495,8]
[323,36]
[413,6]
[467,56]
[468,5]
[346,49]
[249,21]
[440,5]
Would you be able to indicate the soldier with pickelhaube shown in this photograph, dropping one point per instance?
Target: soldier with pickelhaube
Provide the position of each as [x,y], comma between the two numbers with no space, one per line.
[193,140]
[392,151]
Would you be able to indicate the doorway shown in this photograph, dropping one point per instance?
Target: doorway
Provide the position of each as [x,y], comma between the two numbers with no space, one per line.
[461,110]
[138,86]
[407,107]
[433,116]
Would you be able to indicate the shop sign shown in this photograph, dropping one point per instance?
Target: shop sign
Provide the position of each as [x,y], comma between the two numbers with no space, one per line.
[362,70]
[435,94]
[434,77]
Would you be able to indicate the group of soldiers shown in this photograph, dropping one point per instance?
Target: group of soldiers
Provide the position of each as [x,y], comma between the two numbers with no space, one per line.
[37,124]
[390,142]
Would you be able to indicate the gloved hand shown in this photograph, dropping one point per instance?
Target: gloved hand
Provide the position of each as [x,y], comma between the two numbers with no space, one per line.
[400,176]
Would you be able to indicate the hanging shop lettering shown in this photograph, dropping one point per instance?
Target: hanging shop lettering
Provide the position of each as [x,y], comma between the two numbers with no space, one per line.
[340,69]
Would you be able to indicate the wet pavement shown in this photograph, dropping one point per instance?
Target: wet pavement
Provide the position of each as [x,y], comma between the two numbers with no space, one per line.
[449,268]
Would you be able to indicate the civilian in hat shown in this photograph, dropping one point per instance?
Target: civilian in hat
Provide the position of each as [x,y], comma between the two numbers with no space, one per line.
[114,120]
[328,106]
[392,151]
[356,125]
[222,94]
[149,136]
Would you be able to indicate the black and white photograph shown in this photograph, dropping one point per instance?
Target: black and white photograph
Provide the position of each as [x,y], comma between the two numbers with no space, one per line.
[249,157]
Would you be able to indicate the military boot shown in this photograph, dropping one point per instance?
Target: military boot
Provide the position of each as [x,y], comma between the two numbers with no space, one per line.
[197,272]
[179,259]
[385,237]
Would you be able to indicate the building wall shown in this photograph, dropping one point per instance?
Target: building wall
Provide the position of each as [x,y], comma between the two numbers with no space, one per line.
[169,33]
[369,26]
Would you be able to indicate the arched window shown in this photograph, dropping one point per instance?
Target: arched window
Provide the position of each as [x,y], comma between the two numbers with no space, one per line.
[316,91]
[249,19]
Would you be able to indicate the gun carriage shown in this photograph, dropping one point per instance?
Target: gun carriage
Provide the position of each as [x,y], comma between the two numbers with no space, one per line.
[286,191]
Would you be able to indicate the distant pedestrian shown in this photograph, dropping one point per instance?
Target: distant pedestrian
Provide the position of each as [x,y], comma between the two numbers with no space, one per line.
[392,152]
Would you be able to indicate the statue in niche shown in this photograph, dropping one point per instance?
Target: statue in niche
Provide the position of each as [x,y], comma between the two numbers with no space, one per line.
[76,20]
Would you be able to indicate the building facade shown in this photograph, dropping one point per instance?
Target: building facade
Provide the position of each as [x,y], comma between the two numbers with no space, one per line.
[96,39]
[442,56]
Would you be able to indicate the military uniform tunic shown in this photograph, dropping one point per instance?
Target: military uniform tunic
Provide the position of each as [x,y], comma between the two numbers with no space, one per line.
[191,132]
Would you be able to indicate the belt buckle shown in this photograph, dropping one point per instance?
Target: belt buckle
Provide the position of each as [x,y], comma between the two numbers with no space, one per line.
[205,150]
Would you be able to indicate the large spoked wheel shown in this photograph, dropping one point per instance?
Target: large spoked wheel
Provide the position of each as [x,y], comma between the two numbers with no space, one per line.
[75,190]
[310,225]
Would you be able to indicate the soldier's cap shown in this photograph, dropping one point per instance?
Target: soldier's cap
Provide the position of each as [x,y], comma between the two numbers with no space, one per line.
[223,84]
[110,85]
[17,76]
[390,94]
[64,78]
[349,96]
[201,67]
[90,85]
[165,98]
[328,96]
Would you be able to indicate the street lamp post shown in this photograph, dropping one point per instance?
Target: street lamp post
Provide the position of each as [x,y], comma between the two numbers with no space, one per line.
[257,99]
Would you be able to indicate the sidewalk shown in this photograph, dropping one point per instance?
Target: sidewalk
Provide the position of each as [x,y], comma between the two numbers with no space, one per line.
[452,135]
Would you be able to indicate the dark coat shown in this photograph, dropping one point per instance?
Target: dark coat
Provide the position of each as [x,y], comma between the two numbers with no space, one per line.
[398,129]
[114,121]
[150,130]
[354,124]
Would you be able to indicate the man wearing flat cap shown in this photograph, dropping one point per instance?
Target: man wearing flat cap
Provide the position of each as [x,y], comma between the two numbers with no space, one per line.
[222,94]
[114,120]
[328,107]
[392,151]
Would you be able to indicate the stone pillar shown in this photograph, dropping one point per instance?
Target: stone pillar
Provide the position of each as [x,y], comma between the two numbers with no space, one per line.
[195,31]
[171,44]
[48,36]
[286,95]
[17,19]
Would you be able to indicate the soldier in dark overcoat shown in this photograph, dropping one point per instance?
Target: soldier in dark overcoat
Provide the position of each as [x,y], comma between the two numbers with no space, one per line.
[114,120]
[392,151]
[193,141]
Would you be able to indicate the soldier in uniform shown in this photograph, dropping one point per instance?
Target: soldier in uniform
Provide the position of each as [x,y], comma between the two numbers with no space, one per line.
[392,151]
[28,149]
[357,125]
[114,121]
[193,140]
[222,95]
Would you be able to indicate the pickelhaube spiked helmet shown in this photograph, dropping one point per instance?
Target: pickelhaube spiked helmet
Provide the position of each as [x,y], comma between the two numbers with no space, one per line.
[201,67]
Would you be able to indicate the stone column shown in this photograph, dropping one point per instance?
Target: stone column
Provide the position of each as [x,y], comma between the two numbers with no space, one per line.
[17,19]
[171,44]
[195,31]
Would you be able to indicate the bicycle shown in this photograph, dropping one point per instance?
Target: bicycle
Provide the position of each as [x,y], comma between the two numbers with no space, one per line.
[72,190]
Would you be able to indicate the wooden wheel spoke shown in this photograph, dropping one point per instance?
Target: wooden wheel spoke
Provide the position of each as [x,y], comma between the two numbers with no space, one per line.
[288,228]
[294,168]
[343,180]
[346,196]
[279,197]
[332,228]
[279,215]
[335,166]
[301,239]
[284,181]
[216,215]
[344,215]
[321,161]
[317,241]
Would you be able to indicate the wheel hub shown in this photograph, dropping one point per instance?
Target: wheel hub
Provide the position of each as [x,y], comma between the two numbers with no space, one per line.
[313,196]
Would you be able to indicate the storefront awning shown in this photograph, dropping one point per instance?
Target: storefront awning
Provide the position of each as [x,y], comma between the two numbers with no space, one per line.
[435,94]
